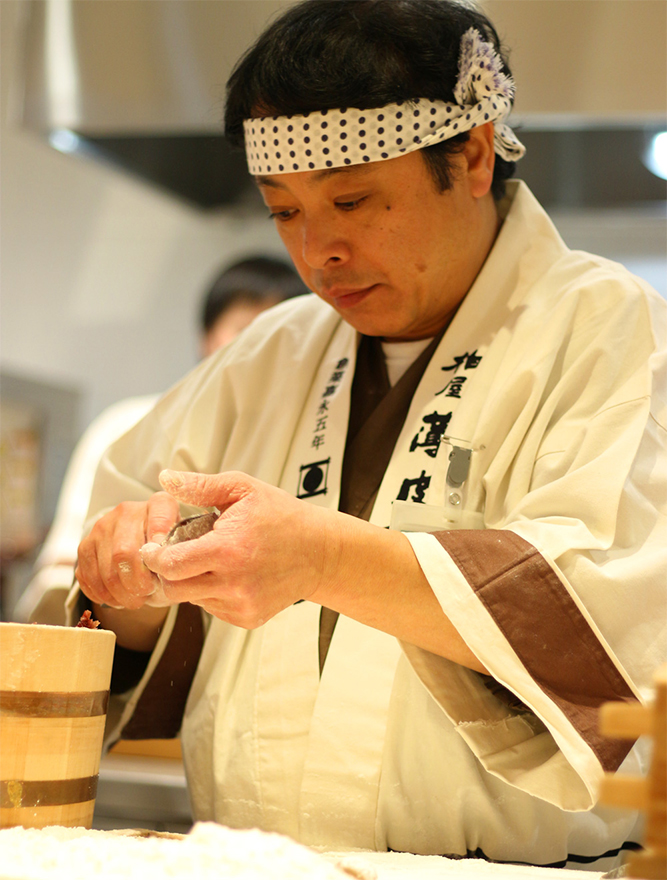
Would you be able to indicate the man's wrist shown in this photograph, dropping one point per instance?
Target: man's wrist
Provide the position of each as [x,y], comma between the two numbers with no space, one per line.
[137,630]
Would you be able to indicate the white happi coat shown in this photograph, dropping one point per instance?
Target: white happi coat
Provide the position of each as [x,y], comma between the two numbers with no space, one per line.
[548,557]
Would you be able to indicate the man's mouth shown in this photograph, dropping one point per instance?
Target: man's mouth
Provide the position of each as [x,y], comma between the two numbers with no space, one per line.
[346,297]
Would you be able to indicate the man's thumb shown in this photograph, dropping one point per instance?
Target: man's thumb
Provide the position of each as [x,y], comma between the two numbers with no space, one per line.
[207,490]
[192,488]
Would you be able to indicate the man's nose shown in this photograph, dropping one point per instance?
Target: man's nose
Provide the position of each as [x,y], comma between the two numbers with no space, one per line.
[323,244]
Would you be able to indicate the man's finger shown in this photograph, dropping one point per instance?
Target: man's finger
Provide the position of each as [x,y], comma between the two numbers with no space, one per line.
[162,513]
[148,553]
[205,490]
[180,561]
[97,593]
[194,589]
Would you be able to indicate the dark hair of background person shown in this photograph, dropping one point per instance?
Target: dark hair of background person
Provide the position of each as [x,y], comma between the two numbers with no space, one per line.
[330,54]
[257,280]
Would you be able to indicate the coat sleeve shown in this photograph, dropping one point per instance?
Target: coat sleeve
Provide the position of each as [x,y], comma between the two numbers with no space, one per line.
[562,595]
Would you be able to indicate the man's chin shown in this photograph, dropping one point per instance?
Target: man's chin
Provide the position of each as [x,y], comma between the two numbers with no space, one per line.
[369,326]
[361,312]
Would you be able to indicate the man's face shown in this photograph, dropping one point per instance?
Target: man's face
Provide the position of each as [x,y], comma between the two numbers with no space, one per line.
[378,242]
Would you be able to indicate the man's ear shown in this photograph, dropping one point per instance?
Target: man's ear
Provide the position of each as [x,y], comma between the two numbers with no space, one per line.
[481,158]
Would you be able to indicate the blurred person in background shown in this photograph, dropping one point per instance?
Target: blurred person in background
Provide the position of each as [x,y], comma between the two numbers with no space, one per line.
[237,295]
[240,293]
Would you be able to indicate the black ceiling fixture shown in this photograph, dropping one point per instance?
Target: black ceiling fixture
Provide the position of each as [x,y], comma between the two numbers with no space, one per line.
[203,170]
[565,168]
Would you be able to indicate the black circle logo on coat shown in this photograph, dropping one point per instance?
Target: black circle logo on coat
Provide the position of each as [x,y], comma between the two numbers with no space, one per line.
[313,479]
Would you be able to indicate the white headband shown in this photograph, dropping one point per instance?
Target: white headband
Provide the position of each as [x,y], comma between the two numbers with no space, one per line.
[334,138]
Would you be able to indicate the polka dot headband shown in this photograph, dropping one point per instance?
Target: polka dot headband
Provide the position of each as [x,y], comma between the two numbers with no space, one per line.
[334,138]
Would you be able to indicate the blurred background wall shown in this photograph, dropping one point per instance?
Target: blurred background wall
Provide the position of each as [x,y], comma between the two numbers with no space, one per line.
[120,199]
[102,272]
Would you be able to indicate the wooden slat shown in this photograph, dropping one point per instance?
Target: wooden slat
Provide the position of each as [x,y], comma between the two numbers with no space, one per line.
[625,720]
[629,792]
[151,748]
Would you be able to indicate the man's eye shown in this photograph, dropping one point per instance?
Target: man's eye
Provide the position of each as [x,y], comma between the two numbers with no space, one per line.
[351,204]
[282,216]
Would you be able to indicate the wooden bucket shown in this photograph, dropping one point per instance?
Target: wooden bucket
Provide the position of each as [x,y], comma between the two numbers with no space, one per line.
[54,690]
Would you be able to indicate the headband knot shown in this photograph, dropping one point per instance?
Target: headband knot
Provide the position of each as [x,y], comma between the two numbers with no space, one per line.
[480,71]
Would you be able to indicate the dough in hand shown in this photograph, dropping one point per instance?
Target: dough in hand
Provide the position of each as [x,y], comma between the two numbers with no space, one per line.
[185,530]
[190,528]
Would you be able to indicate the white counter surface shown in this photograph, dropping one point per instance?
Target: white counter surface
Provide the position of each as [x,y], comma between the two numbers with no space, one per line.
[214,852]
[403,866]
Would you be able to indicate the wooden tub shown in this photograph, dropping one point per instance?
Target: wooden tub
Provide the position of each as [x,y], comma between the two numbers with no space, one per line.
[54,689]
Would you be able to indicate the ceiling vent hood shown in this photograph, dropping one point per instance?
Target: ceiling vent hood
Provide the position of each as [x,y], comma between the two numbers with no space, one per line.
[141,82]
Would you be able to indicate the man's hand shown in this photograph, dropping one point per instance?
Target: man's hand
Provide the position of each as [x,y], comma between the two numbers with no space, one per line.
[110,570]
[266,551]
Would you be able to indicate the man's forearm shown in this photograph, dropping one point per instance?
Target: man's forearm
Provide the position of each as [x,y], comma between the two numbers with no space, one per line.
[382,585]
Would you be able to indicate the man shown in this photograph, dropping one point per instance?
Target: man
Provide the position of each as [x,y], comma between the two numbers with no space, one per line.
[438,549]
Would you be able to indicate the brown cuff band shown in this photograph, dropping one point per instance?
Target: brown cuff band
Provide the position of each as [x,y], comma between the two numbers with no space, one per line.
[546,629]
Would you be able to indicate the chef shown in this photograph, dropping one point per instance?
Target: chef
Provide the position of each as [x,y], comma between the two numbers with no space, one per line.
[439,547]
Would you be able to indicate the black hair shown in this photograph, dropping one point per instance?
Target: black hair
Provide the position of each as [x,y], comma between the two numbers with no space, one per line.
[328,54]
[256,279]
